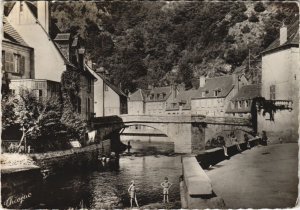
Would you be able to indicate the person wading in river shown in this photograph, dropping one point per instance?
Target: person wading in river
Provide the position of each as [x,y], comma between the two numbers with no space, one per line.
[166,186]
[132,194]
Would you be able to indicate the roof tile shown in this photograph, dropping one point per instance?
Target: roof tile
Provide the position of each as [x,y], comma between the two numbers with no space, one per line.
[11,34]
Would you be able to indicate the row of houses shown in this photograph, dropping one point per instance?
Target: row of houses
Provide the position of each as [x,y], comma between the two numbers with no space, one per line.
[232,95]
[35,54]
[215,96]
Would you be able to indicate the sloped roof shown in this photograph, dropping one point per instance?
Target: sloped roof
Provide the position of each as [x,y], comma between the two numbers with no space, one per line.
[183,98]
[109,84]
[11,34]
[247,92]
[292,37]
[223,84]
[137,96]
[158,93]
[62,37]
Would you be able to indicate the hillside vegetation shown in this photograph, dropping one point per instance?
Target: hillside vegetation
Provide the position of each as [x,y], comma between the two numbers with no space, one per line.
[142,43]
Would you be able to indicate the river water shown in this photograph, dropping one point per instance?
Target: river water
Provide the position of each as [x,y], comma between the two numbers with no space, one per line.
[108,188]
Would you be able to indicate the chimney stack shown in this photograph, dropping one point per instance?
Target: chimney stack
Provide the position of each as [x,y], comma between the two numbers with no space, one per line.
[202,81]
[43,14]
[150,87]
[283,34]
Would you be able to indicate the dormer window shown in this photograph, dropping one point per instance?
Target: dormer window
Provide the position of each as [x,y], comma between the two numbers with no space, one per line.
[216,93]
[247,103]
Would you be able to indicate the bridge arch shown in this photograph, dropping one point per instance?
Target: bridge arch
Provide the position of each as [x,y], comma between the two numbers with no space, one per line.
[147,138]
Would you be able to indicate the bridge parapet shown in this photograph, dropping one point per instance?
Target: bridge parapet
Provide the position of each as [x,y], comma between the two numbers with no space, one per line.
[223,120]
[157,118]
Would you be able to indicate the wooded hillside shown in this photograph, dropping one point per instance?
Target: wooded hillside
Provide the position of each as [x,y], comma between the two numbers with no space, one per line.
[141,43]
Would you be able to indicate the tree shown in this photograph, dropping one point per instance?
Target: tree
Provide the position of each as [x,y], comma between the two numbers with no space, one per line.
[259,7]
[253,18]
[70,118]
[37,118]
[186,72]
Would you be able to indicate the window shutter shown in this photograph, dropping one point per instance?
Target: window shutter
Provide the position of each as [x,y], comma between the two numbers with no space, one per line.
[9,62]
[3,60]
[22,65]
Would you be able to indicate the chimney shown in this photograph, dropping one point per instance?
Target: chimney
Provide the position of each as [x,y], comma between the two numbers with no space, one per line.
[80,61]
[43,14]
[150,87]
[202,81]
[283,34]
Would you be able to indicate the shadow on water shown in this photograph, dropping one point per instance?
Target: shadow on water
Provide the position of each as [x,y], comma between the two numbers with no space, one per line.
[106,187]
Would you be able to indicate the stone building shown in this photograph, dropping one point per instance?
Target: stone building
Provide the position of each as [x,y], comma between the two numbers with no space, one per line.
[214,94]
[280,85]
[17,56]
[136,102]
[181,105]
[109,99]
[50,57]
[241,104]
[153,101]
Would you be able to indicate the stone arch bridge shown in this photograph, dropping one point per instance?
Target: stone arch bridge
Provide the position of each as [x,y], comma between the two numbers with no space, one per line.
[189,133]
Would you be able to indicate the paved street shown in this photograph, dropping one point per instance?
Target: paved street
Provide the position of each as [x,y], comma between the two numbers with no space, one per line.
[263,177]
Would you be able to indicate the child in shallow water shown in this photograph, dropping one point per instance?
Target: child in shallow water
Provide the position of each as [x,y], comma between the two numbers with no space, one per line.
[132,193]
[166,186]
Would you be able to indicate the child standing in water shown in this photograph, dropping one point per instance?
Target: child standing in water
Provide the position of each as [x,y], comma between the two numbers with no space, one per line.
[166,186]
[132,194]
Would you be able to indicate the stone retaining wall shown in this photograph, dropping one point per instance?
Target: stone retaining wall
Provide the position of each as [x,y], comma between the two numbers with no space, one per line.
[73,159]
[216,155]
[196,189]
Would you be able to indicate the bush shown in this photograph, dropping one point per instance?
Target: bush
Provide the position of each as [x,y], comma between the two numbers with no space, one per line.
[253,18]
[259,7]
[229,39]
[240,18]
[245,29]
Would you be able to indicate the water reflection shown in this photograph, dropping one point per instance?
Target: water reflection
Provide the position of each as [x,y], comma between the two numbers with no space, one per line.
[107,189]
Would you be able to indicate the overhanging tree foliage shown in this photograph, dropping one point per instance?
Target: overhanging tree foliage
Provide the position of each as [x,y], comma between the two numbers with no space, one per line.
[37,118]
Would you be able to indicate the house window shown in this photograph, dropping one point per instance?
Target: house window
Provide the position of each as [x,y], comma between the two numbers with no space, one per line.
[241,104]
[40,93]
[216,93]
[21,7]
[105,87]
[247,103]
[272,92]
[16,63]
[236,104]
[89,85]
